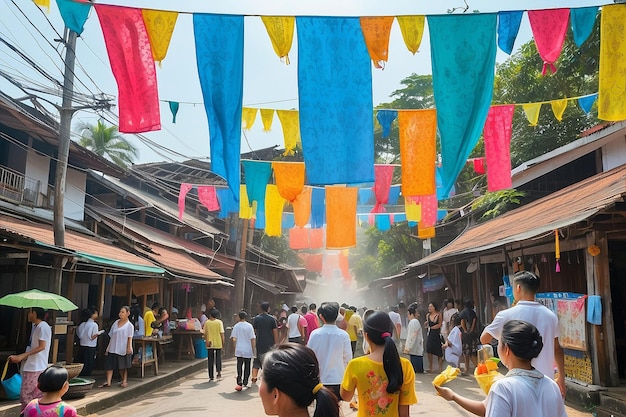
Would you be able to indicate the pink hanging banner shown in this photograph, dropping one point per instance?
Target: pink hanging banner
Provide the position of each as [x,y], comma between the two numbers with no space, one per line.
[429,209]
[549,28]
[208,197]
[497,136]
[184,189]
[383,175]
[479,165]
[130,55]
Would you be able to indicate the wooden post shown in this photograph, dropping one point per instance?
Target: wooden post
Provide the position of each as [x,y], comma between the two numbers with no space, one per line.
[101,292]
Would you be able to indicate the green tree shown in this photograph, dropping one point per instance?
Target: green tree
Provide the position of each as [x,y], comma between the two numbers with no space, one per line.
[279,247]
[109,143]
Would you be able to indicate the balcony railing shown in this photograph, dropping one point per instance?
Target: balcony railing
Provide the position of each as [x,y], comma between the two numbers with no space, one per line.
[18,187]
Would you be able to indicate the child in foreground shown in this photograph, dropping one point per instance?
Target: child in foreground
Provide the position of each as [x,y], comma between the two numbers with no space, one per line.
[54,384]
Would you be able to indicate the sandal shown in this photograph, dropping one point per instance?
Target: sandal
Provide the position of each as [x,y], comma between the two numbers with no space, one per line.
[254,380]
[124,384]
[105,385]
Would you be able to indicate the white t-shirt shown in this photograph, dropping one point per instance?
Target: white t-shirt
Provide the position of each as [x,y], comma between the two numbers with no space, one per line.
[446,326]
[244,333]
[119,337]
[395,319]
[292,325]
[525,393]
[39,361]
[333,350]
[86,331]
[543,319]
[455,346]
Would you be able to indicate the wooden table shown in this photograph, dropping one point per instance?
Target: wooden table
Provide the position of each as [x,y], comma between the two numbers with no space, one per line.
[143,342]
[185,342]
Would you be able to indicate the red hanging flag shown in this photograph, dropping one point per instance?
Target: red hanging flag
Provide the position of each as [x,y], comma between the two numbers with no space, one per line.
[479,165]
[497,136]
[549,28]
[383,175]
[184,189]
[208,197]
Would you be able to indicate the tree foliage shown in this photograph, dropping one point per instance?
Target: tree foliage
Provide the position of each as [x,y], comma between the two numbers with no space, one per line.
[492,205]
[109,143]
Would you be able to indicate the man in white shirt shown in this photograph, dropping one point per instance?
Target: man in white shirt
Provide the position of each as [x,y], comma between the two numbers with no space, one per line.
[35,357]
[331,346]
[396,319]
[525,286]
[296,331]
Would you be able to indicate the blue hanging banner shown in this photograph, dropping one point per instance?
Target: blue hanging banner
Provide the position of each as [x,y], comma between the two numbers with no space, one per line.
[583,19]
[508,27]
[257,176]
[74,14]
[386,118]
[586,103]
[318,207]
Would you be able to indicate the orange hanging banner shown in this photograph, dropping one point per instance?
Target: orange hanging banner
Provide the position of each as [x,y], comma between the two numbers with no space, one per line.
[418,132]
[289,178]
[298,238]
[376,32]
[316,238]
[344,265]
[302,207]
[341,205]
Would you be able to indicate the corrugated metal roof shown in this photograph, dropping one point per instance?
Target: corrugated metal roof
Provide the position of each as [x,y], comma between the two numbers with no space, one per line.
[560,209]
[39,232]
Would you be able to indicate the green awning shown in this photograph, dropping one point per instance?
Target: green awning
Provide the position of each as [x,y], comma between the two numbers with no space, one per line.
[151,269]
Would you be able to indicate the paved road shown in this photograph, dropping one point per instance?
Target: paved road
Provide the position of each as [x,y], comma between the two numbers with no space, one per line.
[196,396]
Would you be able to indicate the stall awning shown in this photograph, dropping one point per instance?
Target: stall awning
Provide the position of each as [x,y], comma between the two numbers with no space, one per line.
[268,286]
[86,248]
[563,208]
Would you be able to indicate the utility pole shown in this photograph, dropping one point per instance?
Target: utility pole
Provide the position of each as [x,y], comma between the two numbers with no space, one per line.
[66,112]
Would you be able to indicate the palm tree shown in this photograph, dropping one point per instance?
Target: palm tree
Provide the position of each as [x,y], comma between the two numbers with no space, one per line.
[108,142]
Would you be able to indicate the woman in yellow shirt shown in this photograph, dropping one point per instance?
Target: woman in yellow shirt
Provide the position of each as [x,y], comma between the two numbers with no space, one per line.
[385,382]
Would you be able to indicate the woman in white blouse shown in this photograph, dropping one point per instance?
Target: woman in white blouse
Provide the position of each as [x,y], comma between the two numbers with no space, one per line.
[119,352]
[88,333]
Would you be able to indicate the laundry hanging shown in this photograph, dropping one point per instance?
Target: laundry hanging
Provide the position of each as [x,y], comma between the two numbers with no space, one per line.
[463,50]
[508,27]
[74,14]
[412,29]
[182,193]
[130,55]
[248,116]
[289,178]
[558,108]
[160,26]
[384,176]
[267,117]
[302,207]
[340,217]
[208,197]
[418,133]
[549,28]
[290,121]
[497,137]
[257,175]
[274,205]
[376,31]
[386,118]
[583,20]
[612,75]
[280,30]
[531,110]
[219,55]
[336,107]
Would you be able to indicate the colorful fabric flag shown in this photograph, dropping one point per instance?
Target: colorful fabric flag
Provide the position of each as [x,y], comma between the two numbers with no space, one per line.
[384,176]
[340,217]
[335,105]
[298,238]
[257,176]
[289,178]
[208,197]
[318,207]
[302,207]
[248,116]
[531,110]
[549,28]
[394,194]
[583,20]
[267,117]
[174,105]
[386,118]
[160,25]
[344,265]
[227,204]
[479,163]
[131,61]
[274,205]
[425,232]
[612,91]
[245,207]
[287,221]
[314,262]
[219,54]
[74,14]
[497,136]
[44,4]
[365,196]
[508,27]
[376,32]
[463,50]
[316,238]
[331,264]
[413,210]
[290,121]
[418,134]
[586,103]
[184,189]
[412,28]
[383,222]
[280,31]
[558,108]
[429,209]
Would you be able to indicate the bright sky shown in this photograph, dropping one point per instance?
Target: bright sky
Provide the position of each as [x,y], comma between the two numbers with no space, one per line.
[268,82]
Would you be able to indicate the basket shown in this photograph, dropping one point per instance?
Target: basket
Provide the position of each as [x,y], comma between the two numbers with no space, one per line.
[485,381]
[78,388]
[73,370]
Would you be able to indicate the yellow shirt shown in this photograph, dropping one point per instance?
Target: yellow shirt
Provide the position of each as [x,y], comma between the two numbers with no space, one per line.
[148,319]
[370,381]
[354,325]
[213,331]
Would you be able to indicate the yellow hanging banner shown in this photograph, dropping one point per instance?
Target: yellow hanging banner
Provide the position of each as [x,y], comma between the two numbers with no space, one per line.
[248,116]
[558,108]
[280,30]
[267,117]
[245,211]
[413,211]
[612,74]
[426,232]
[376,32]
[412,28]
[274,205]
[290,120]
[531,110]
[160,26]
